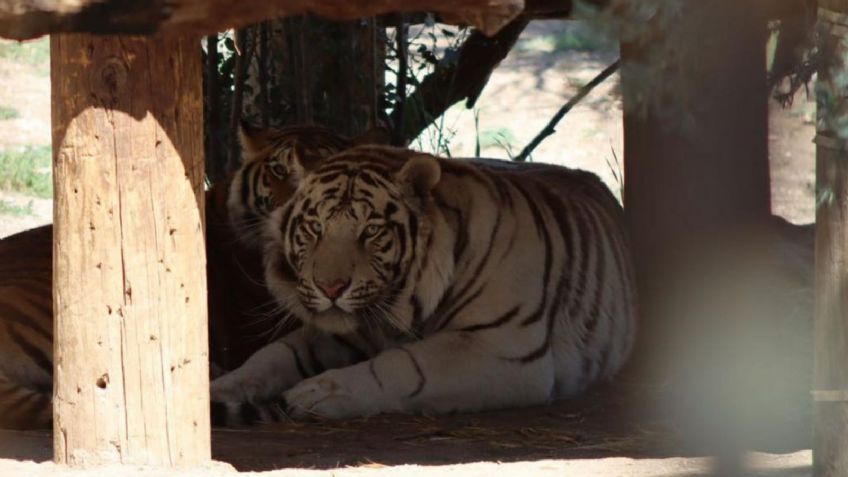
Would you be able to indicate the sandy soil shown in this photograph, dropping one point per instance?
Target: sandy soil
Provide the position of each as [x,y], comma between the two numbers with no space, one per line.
[775,465]
[28,92]
[24,89]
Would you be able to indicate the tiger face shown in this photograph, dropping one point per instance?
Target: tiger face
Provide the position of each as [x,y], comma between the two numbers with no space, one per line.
[270,157]
[347,242]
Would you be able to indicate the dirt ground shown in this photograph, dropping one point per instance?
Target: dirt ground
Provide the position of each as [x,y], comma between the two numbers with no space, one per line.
[599,434]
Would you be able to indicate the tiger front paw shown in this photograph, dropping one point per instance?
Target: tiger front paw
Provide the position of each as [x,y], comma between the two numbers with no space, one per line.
[327,396]
[231,406]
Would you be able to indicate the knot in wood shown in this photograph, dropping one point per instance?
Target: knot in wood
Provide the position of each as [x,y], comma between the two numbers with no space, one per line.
[112,77]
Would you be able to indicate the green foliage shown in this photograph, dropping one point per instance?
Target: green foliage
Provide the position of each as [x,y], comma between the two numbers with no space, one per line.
[8,112]
[583,37]
[27,170]
[9,208]
[35,53]
[500,137]
[579,36]
[431,47]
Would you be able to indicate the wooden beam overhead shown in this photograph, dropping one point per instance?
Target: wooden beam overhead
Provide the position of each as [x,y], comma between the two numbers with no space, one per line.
[24,19]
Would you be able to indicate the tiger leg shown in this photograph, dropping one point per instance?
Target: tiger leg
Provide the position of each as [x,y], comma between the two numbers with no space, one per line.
[249,393]
[447,372]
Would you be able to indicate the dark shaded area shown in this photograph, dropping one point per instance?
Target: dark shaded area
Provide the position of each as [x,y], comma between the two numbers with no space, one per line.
[606,422]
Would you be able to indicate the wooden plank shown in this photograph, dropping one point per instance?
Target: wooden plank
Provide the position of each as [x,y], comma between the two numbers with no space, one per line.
[131,352]
[830,443]
[22,19]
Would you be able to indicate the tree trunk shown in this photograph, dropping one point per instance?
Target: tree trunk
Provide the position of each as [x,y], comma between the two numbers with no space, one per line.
[701,169]
[696,175]
[830,445]
[317,72]
[131,351]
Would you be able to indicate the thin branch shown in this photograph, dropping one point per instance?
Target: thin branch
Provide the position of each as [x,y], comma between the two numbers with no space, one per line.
[550,128]
[213,167]
[297,46]
[242,61]
[454,81]
[398,138]
[262,60]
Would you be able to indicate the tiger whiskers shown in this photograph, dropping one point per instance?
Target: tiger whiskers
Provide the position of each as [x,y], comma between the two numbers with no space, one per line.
[384,314]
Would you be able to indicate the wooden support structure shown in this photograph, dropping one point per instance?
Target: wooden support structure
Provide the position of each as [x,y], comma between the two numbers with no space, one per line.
[701,169]
[131,353]
[696,171]
[24,19]
[830,394]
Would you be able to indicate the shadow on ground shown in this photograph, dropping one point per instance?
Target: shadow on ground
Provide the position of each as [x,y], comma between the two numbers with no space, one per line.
[602,424]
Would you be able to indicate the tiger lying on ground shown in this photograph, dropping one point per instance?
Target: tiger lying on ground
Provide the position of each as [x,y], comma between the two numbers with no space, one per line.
[431,285]
[237,296]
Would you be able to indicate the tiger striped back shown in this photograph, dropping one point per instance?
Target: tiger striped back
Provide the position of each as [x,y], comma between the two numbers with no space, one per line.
[560,230]
[26,329]
[435,285]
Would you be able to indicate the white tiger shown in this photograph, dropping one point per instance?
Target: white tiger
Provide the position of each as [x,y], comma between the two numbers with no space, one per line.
[433,285]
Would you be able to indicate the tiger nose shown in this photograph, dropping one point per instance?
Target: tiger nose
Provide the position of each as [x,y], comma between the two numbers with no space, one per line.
[334,288]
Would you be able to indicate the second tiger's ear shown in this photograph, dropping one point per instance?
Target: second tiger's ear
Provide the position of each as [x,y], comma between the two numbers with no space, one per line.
[254,141]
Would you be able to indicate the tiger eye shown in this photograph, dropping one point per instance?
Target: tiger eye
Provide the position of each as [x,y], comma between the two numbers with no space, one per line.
[278,171]
[372,230]
[314,227]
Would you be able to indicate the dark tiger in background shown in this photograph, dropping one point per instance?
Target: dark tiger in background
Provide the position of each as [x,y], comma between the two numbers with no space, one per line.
[432,285]
[237,297]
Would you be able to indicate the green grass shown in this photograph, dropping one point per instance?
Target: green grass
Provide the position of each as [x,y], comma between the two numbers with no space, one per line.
[582,37]
[27,170]
[8,208]
[8,112]
[495,137]
[35,53]
[578,36]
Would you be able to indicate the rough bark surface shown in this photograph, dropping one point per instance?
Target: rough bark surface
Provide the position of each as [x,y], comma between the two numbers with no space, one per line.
[131,351]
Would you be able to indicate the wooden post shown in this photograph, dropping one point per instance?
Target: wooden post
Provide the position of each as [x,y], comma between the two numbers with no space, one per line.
[696,170]
[131,352]
[830,444]
[703,169]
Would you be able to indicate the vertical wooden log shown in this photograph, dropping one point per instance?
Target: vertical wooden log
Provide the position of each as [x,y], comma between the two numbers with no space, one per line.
[830,444]
[694,173]
[131,352]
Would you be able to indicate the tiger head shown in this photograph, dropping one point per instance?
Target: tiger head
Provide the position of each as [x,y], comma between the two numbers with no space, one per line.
[264,182]
[344,249]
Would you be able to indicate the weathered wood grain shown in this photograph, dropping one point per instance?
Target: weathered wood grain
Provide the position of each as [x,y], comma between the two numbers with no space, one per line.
[22,19]
[131,351]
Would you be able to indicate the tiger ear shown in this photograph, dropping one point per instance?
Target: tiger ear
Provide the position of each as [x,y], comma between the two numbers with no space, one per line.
[419,175]
[294,164]
[253,140]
